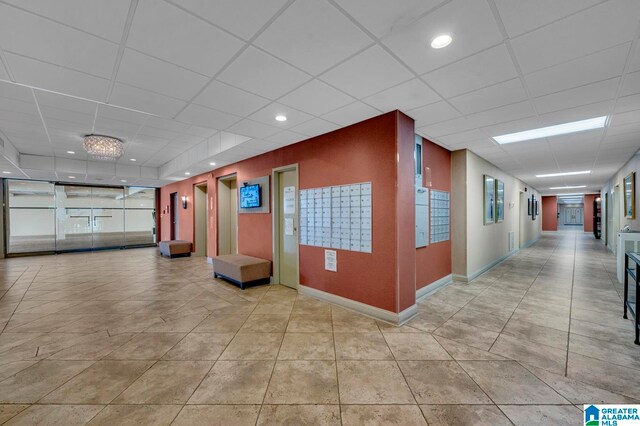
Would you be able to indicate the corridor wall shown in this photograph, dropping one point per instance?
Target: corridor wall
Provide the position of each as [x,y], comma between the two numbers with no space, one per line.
[478,247]
[549,214]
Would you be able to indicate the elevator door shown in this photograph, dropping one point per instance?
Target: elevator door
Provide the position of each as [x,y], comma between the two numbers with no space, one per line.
[89,217]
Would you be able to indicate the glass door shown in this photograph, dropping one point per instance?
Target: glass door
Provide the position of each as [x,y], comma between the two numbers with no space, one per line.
[89,217]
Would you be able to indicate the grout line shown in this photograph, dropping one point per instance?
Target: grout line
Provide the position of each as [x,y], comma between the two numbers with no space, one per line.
[573,278]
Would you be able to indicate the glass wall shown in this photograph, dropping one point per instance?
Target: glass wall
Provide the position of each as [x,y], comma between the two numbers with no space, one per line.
[54,217]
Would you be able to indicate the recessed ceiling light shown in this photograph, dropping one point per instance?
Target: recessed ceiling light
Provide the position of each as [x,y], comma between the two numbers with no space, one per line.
[212,164]
[568,187]
[582,172]
[132,159]
[6,173]
[281,117]
[571,195]
[187,173]
[557,130]
[71,177]
[71,152]
[123,180]
[443,40]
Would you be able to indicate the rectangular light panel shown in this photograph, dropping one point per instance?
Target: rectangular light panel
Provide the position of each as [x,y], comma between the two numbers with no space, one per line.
[583,172]
[559,129]
[568,187]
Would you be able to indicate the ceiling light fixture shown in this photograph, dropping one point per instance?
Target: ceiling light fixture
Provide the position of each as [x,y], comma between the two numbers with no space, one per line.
[443,40]
[582,172]
[187,173]
[123,180]
[6,173]
[569,187]
[71,177]
[71,152]
[103,147]
[559,129]
[212,164]
[571,195]
[281,117]
[132,159]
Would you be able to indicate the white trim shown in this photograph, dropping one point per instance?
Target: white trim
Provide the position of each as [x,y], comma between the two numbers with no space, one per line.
[429,289]
[362,308]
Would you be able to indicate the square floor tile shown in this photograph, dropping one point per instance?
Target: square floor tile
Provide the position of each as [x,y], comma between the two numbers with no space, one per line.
[321,415]
[234,382]
[415,347]
[167,382]
[309,346]
[265,324]
[401,415]
[135,415]
[250,346]
[199,347]
[303,382]
[56,415]
[147,346]
[362,346]
[456,415]
[441,382]
[214,415]
[302,323]
[372,382]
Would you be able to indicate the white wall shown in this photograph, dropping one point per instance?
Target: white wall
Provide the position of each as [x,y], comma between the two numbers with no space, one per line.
[484,245]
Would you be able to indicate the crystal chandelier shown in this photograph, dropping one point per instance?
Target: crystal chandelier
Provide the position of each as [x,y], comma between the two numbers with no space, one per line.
[103,147]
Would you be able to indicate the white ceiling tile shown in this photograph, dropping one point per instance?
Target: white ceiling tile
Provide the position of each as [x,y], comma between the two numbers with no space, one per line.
[316,127]
[253,129]
[151,74]
[376,71]
[470,22]
[286,137]
[521,16]
[316,98]
[103,18]
[448,127]
[267,115]
[498,95]
[591,93]
[630,117]
[145,101]
[223,97]
[241,17]
[72,119]
[382,17]
[18,106]
[301,36]
[512,126]
[480,70]
[350,114]
[52,77]
[30,35]
[463,138]
[3,72]
[574,36]
[119,114]
[628,103]
[405,96]
[207,117]
[262,74]
[589,69]
[67,103]
[578,113]
[502,114]
[14,91]
[163,30]
[434,113]
[630,84]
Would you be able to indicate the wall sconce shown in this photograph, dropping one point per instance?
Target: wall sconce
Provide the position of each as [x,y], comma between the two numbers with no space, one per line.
[184,201]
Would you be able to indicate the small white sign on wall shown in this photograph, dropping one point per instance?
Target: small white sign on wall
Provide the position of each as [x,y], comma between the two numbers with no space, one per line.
[289,200]
[288,226]
[331,260]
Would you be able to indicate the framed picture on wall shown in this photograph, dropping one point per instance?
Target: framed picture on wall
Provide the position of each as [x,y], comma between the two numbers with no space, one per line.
[499,200]
[529,210]
[534,207]
[489,200]
[630,196]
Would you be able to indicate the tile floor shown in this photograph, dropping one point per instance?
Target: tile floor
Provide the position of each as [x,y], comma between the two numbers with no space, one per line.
[126,337]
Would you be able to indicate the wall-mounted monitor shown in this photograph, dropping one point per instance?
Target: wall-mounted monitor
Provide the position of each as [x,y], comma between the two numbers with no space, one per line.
[250,196]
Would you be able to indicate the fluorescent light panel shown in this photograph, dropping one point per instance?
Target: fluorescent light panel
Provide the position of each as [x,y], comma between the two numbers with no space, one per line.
[583,172]
[568,187]
[559,129]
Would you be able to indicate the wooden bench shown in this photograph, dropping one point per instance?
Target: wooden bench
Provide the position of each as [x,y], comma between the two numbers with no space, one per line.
[175,248]
[242,270]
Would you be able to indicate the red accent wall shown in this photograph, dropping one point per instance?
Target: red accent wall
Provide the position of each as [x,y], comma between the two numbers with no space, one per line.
[433,262]
[549,213]
[588,212]
[366,151]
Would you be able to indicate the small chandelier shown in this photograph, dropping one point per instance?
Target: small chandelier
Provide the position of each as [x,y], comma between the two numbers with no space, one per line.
[103,147]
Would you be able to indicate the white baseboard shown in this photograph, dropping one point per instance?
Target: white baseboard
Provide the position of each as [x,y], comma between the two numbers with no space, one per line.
[362,308]
[429,289]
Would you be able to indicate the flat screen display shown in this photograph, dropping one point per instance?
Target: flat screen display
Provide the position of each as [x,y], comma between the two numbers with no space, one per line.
[250,196]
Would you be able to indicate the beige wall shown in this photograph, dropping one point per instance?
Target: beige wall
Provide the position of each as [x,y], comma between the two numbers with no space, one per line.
[618,222]
[486,244]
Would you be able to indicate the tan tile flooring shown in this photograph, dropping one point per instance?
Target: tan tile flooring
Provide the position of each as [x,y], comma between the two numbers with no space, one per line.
[126,337]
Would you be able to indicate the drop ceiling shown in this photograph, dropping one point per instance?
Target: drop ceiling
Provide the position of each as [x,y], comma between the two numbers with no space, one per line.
[191,82]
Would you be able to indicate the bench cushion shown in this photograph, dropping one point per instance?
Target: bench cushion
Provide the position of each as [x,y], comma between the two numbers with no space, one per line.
[242,268]
[173,247]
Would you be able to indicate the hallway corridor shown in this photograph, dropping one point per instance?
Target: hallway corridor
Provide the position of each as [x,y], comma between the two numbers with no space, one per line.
[127,337]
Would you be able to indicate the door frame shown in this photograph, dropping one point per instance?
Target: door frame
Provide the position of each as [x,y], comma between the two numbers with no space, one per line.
[218,179]
[196,206]
[173,215]
[275,217]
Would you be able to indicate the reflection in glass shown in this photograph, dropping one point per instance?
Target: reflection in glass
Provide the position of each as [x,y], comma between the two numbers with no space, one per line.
[140,216]
[31,215]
